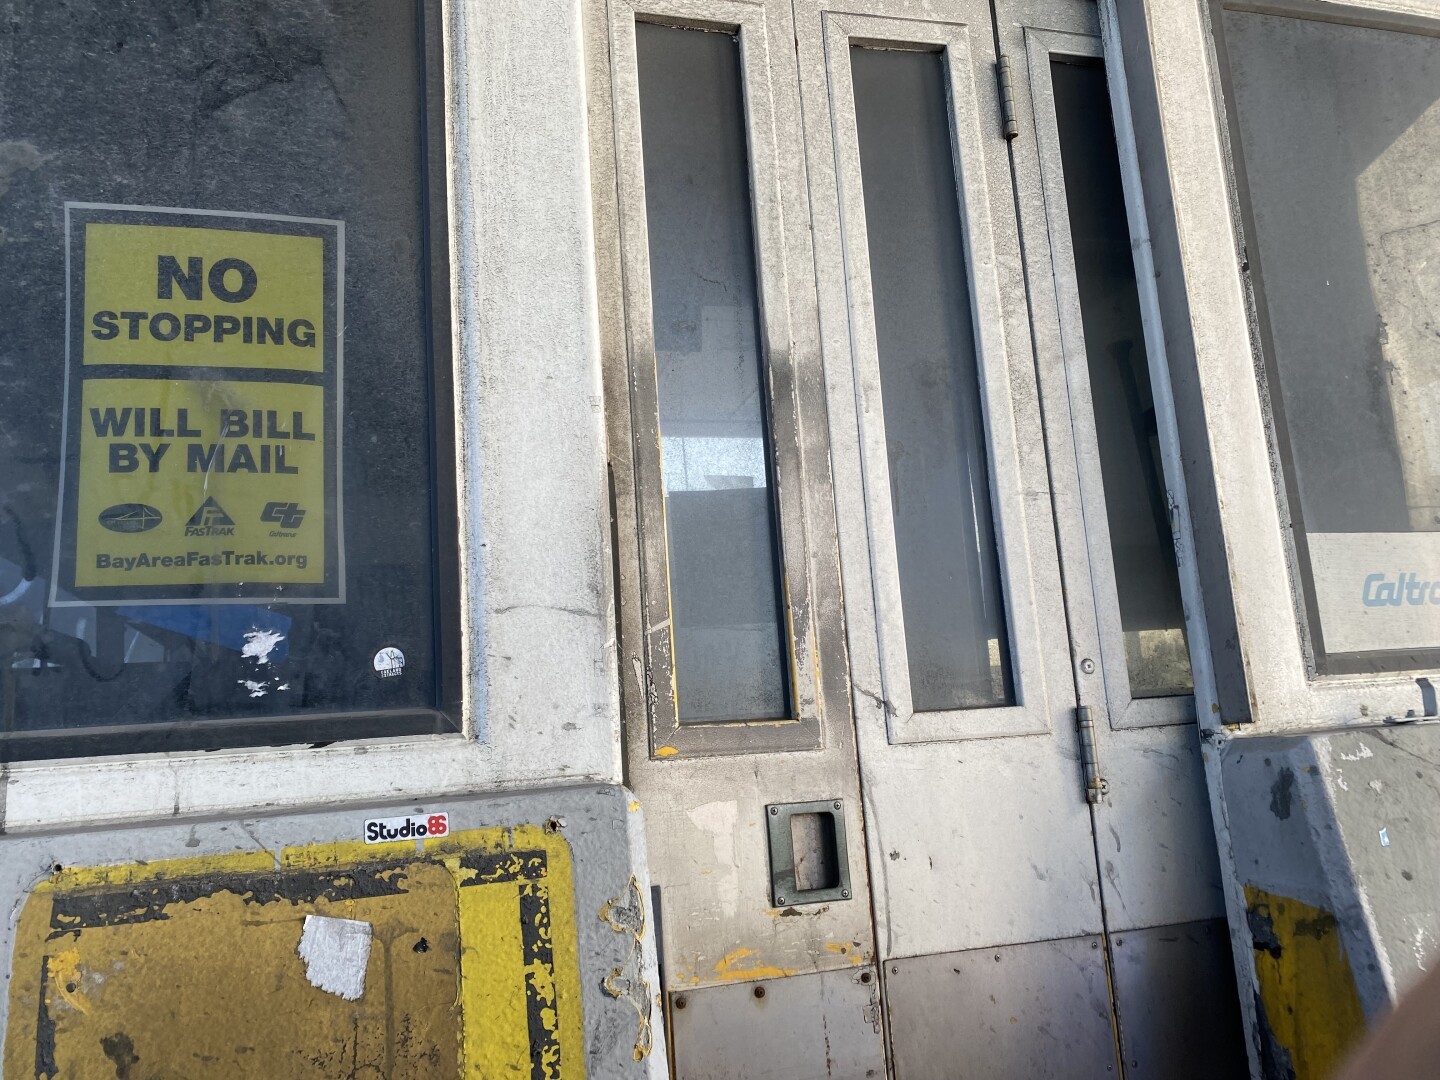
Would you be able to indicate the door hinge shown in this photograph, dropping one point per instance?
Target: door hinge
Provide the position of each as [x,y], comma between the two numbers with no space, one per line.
[1009,128]
[1096,786]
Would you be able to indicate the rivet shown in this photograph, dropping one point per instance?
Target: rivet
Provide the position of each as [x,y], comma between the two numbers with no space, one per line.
[1094,944]
[680,1002]
[865,976]
[894,970]
[759,991]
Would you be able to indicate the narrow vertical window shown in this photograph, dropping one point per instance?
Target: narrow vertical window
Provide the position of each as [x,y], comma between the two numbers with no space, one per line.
[1146,579]
[727,614]
[949,567]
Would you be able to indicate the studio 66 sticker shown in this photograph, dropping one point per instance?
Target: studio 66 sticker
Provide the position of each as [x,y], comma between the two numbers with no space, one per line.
[416,826]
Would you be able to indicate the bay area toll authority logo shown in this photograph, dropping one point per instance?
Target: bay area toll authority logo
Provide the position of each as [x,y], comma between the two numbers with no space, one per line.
[210,520]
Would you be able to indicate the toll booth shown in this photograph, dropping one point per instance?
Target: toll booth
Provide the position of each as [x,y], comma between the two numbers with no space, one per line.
[716,538]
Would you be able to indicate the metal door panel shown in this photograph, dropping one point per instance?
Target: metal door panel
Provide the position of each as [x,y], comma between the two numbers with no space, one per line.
[973,841]
[705,786]
[812,1027]
[978,844]
[1176,998]
[1039,1010]
[1153,834]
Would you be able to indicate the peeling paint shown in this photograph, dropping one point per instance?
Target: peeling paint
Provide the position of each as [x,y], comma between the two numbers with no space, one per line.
[625,914]
[336,952]
[259,644]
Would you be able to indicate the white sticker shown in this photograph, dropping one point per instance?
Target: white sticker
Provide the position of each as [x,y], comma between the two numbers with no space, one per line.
[389,662]
[414,827]
[336,952]
[1384,837]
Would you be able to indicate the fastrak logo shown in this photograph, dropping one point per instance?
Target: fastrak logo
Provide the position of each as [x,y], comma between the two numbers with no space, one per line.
[1407,589]
[414,827]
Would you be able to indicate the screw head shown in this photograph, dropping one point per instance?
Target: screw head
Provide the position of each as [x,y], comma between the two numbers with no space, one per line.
[1087,666]
[759,991]
[1094,944]
[779,901]
[894,969]
[845,894]
[836,804]
[680,1002]
[865,976]
[774,811]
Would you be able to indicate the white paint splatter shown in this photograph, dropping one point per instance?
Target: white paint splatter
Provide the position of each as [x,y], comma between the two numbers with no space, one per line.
[1376,786]
[257,689]
[260,644]
[1422,948]
[1340,781]
[336,952]
[719,820]
[1359,755]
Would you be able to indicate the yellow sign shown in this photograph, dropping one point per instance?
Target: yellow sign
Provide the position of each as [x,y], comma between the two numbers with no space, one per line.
[203,414]
[156,294]
[203,479]
[198,966]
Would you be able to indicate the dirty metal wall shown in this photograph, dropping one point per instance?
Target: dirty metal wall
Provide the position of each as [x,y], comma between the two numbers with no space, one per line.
[1338,858]
[515,939]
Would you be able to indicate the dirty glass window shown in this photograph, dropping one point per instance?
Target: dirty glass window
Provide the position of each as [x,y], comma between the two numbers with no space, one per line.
[950,586]
[221,362]
[727,621]
[1337,132]
[1146,580]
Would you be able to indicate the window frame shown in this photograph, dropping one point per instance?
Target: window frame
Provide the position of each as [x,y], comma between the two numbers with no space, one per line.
[1066,365]
[1015,481]
[794,408]
[127,739]
[1269,590]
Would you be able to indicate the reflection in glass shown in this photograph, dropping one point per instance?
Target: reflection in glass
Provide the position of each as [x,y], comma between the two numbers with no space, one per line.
[726,614]
[1339,132]
[954,610]
[1147,583]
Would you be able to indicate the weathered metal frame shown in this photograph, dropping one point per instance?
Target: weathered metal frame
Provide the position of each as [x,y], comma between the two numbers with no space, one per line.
[705,805]
[1007,474]
[1092,572]
[803,730]
[1268,586]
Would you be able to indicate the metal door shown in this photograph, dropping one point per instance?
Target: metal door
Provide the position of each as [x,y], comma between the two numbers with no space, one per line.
[1044,875]
[716,408]
[1032,882]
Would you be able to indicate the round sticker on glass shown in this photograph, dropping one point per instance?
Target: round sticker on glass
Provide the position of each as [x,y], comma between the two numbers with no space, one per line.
[389,662]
